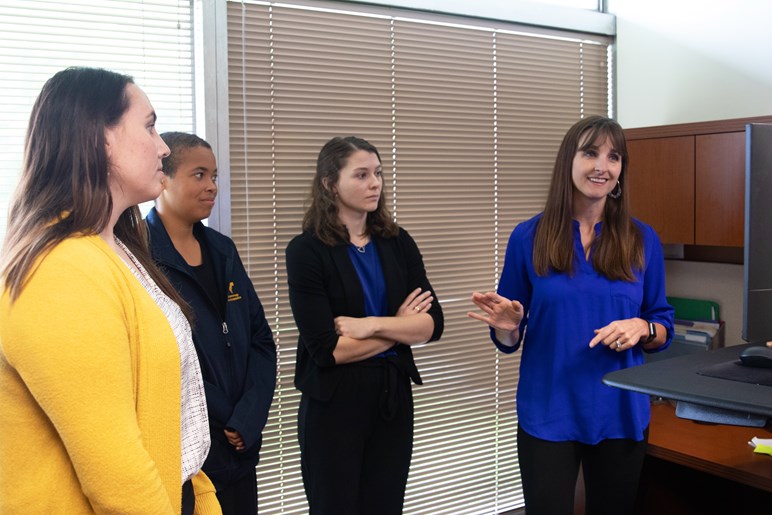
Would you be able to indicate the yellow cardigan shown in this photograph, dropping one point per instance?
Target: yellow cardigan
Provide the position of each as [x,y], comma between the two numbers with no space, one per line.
[90,392]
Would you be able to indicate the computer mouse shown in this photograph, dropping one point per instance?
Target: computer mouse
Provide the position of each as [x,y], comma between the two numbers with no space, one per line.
[757,356]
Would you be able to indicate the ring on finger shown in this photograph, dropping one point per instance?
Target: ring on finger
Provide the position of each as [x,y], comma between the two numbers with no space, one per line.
[619,345]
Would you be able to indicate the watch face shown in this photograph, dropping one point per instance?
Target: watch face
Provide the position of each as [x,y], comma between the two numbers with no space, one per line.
[652,332]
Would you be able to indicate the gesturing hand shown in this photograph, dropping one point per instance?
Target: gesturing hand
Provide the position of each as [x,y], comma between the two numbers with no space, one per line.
[500,312]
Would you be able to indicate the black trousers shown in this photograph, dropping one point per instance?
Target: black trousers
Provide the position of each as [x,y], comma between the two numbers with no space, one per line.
[239,497]
[188,498]
[549,471]
[355,449]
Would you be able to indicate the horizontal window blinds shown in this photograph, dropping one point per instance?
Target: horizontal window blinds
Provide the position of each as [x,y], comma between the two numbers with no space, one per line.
[295,80]
[150,40]
[468,119]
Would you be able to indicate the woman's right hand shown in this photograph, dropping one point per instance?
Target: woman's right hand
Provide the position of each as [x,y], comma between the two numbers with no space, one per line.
[500,313]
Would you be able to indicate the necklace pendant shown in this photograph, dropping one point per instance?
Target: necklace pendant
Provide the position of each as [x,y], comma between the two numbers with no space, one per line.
[361,249]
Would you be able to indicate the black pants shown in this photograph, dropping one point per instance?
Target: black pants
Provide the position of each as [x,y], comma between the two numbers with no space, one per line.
[549,471]
[355,449]
[188,498]
[239,497]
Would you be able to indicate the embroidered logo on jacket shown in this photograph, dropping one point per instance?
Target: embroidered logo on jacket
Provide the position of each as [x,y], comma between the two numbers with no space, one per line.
[232,296]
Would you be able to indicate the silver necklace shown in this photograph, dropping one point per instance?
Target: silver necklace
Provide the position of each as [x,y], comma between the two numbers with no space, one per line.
[361,248]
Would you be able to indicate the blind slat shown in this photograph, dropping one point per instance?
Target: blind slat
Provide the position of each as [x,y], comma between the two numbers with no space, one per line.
[150,40]
[468,120]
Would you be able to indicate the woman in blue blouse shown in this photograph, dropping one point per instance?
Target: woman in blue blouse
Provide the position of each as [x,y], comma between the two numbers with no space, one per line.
[583,286]
[360,298]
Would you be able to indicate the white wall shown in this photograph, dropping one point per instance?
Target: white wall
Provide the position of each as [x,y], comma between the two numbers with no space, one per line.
[580,16]
[712,281]
[690,60]
[682,61]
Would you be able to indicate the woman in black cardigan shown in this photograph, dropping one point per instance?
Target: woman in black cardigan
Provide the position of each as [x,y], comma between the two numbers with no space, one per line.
[360,298]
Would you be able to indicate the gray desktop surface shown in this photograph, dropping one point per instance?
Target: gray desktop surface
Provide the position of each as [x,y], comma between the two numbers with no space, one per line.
[677,379]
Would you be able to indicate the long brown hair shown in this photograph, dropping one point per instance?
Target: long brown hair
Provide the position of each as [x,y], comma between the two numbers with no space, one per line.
[618,249]
[64,189]
[321,217]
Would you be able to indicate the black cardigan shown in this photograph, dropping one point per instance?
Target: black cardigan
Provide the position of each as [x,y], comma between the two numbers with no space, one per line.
[324,284]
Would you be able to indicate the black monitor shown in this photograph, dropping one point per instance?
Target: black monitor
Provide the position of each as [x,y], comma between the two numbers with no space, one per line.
[757,284]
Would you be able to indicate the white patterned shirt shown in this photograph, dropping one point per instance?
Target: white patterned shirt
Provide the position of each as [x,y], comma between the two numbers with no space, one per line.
[195,420]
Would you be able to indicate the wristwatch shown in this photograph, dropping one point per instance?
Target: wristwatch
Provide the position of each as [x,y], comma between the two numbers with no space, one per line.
[652,332]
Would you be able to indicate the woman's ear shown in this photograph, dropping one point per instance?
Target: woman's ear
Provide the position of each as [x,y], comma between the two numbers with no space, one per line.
[109,142]
[326,185]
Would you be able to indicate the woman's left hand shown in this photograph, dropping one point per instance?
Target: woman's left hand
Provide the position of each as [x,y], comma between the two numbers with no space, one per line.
[621,335]
[416,302]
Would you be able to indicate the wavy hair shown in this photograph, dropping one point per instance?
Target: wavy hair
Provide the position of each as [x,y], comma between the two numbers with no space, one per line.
[618,249]
[321,217]
[64,188]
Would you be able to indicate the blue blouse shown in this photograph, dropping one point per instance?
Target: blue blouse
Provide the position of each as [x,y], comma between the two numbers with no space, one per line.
[368,267]
[560,395]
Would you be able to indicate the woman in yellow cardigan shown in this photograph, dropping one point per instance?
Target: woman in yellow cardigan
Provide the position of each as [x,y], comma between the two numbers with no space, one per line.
[102,402]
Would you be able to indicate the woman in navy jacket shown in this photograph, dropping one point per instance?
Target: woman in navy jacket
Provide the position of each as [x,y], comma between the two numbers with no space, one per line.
[233,340]
[360,298]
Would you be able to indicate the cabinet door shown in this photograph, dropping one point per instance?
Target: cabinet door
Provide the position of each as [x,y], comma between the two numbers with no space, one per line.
[661,186]
[720,189]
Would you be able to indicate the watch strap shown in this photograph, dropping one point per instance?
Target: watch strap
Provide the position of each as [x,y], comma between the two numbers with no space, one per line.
[652,332]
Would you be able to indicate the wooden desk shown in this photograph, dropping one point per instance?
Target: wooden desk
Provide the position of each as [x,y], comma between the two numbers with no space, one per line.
[717,449]
[694,467]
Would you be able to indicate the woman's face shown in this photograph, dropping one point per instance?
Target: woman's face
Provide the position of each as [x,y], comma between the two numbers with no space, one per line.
[359,184]
[135,151]
[189,195]
[596,170]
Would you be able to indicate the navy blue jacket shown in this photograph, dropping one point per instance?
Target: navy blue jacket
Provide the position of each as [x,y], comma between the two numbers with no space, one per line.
[237,355]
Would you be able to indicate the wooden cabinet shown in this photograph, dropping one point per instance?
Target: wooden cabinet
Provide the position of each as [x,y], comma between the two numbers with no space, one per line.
[719,189]
[661,185]
[688,180]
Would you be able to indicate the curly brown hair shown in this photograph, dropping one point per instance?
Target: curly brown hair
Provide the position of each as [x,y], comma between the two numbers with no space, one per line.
[321,217]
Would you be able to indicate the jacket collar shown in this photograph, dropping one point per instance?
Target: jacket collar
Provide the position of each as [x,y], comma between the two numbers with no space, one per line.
[161,245]
[163,249]
[353,286]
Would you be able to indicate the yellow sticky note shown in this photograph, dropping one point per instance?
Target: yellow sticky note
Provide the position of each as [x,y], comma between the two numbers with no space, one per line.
[763,449]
